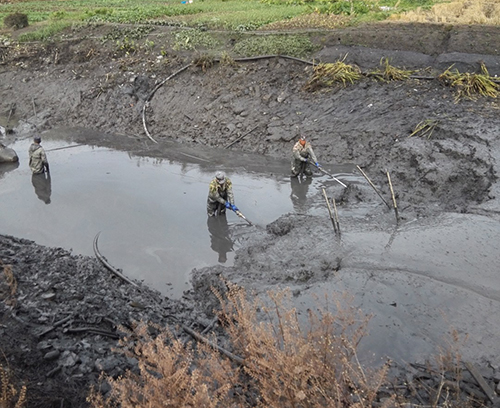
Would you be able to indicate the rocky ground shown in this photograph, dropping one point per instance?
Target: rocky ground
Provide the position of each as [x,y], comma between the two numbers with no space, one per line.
[59,325]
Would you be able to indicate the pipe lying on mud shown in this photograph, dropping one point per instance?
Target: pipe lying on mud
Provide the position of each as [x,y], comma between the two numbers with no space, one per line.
[146,102]
[107,265]
[241,137]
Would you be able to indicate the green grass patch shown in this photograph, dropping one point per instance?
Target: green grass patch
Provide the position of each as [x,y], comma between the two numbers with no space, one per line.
[45,32]
[194,39]
[293,45]
[242,15]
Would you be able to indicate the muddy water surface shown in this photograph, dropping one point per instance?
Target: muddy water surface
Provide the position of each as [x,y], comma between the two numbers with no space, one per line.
[151,213]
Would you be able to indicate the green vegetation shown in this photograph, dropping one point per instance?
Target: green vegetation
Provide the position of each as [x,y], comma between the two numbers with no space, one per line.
[193,39]
[247,15]
[293,45]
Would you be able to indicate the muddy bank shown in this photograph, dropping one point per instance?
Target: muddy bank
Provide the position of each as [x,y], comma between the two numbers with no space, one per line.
[368,124]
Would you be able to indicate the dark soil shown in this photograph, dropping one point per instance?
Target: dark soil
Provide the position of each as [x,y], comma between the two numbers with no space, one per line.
[58,329]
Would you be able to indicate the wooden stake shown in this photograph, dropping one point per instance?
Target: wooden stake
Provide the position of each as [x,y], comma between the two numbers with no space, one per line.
[393,197]
[375,188]
[34,108]
[330,212]
[336,216]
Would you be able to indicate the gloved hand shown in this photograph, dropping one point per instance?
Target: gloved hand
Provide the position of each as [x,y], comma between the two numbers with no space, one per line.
[317,165]
[46,166]
[304,160]
[234,208]
[228,204]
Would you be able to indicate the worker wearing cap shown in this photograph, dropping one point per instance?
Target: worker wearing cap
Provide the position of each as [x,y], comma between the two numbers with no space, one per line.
[220,195]
[302,156]
[38,159]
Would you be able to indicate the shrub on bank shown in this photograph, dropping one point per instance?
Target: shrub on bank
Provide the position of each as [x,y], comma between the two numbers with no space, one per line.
[280,359]
[16,21]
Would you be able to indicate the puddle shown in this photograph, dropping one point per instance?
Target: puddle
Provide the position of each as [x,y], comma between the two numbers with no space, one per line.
[151,212]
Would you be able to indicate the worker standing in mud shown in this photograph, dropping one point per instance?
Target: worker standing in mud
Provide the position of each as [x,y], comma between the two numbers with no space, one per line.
[220,195]
[302,156]
[38,159]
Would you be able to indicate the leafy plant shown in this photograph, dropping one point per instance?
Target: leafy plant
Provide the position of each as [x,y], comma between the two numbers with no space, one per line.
[16,20]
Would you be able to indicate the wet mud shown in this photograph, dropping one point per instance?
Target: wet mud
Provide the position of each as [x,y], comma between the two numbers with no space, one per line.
[422,277]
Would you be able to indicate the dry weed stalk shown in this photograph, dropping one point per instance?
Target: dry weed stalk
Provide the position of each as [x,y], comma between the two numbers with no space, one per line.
[425,128]
[289,361]
[294,366]
[330,74]
[10,279]
[470,86]
[227,60]
[10,397]
[391,73]
[8,285]
[204,62]
[171,375]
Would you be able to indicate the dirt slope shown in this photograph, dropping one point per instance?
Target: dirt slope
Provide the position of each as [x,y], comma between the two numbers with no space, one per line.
[82,82]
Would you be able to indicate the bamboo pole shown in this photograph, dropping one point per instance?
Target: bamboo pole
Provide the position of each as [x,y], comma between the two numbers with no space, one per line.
[336,214]
[375,188]
[330,212]
[393,197]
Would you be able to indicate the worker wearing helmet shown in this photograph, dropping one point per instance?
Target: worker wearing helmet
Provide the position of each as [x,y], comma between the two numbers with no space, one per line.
[302,156]
[220,195]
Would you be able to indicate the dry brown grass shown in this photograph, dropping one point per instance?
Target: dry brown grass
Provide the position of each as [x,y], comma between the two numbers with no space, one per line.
[456,12]
[10,396]
[425,128]
[8,285]
[287,362]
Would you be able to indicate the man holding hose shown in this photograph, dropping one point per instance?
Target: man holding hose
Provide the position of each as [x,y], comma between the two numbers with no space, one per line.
[220,195]
[302,156]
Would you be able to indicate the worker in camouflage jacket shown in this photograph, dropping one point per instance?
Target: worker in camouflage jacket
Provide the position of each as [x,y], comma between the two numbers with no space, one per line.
[220,195]
[38,159]
[302,157]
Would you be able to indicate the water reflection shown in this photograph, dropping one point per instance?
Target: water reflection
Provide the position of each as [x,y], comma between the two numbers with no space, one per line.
[298,194]
[6,167]
[43,186]
[220,239]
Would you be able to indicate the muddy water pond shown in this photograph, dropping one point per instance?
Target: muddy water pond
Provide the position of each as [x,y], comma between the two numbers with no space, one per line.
[150,213]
